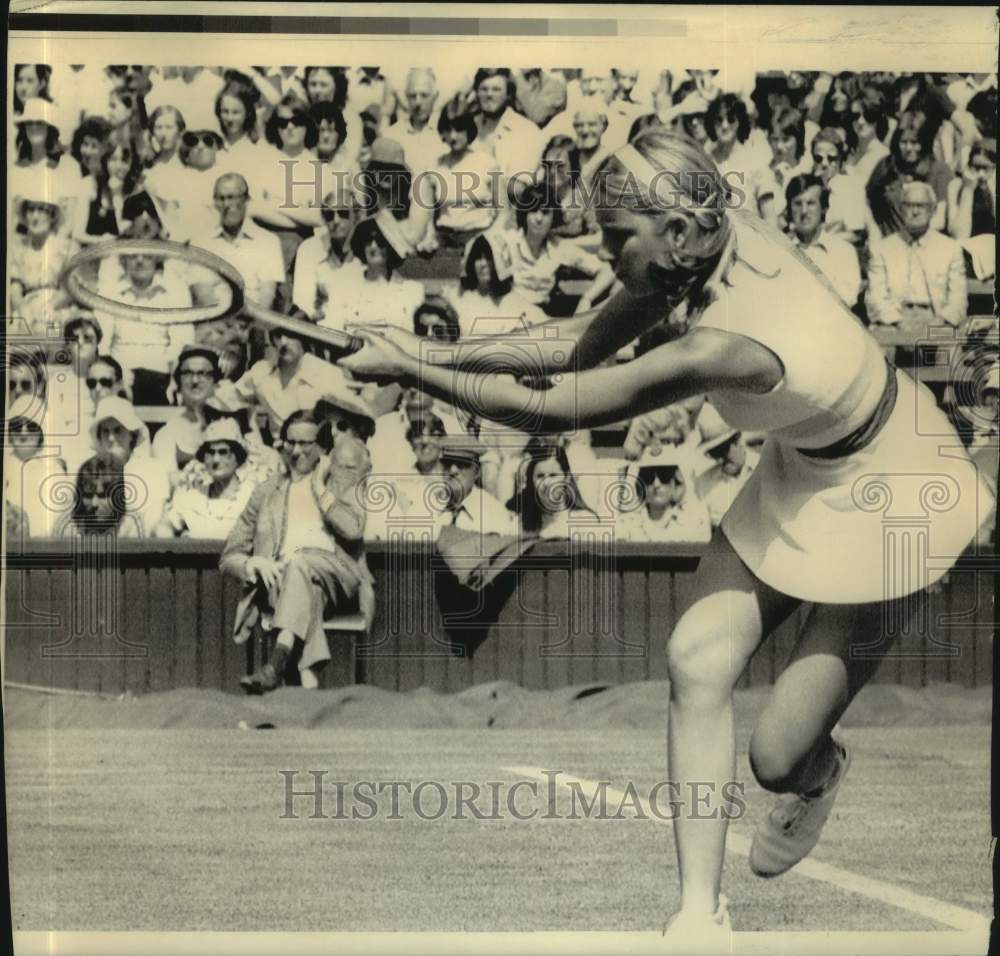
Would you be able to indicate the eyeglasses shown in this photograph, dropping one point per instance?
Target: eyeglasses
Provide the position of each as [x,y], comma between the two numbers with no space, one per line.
[20,426]
[190,374]
[299,119]
[231,197]
[330,214]
[191,140]
[102,381]
[294,443]
[21,384]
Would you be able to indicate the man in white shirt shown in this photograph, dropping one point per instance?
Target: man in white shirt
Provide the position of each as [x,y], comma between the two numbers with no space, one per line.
[416,133]
[471,508]
[146,349]
[807,202]
[290,381]
[916,276]
[254,252]
[513,140]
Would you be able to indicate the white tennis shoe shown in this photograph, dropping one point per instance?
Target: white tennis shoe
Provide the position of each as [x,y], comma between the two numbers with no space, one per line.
[700,934]
[793,826]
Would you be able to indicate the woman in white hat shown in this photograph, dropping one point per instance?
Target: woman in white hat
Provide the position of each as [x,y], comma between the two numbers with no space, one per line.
[30,468]
[38,256]
[118,432]
[43,167]
[661,503]
[808,527]
[210,508]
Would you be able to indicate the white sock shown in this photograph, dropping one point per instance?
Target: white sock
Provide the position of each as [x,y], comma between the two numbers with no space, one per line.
[309,679]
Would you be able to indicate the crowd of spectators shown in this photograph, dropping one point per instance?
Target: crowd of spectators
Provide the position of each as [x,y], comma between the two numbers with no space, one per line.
[324,187]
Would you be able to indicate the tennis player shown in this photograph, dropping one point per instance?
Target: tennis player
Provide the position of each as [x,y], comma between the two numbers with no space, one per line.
[852,443]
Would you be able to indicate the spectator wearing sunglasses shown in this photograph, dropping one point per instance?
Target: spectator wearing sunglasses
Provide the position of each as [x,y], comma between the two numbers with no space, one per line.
[848,210]
[31,469]
[866,134]
[321,260]
[287,176]
[188,207]
[105,379]
[69,408]
[26,375]
[664,506]
[211,507]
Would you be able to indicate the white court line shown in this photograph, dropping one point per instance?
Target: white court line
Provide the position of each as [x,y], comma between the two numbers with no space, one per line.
[945,913]
[923,943]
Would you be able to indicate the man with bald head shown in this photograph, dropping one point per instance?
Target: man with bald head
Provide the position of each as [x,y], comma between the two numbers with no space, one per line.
[254,252]
[415,132]
[298,548]
[916,277]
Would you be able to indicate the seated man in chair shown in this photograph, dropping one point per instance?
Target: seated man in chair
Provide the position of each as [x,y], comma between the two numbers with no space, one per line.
[299,549]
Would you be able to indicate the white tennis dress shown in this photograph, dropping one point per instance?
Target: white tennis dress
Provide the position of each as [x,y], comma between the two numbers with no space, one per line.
[881,522]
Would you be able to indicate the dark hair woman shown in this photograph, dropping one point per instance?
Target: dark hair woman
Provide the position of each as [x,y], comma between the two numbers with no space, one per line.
[911,157]
[548,497]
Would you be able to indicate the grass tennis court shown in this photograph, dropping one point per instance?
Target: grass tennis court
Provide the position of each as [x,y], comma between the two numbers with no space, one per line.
[179,829]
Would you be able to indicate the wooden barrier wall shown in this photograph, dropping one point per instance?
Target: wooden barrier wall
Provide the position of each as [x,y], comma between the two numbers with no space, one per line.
[144,621]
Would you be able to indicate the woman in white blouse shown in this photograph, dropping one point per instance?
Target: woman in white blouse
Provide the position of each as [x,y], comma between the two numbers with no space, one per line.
[486,302]
[209,509]
[537,255]
[376,291]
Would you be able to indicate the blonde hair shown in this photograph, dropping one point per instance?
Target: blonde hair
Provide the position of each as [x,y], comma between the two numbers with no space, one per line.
[671,175]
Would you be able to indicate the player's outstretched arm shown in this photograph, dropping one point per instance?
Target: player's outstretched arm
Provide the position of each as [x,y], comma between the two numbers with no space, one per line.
[688,366]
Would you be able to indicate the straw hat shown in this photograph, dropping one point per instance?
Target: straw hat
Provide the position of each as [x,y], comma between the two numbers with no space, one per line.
[223,429]
[121,410]
[38,192]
